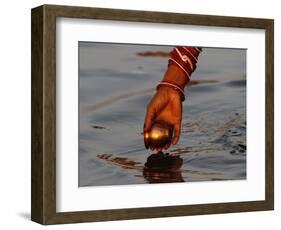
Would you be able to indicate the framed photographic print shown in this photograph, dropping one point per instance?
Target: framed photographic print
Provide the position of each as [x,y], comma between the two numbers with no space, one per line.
[140,114]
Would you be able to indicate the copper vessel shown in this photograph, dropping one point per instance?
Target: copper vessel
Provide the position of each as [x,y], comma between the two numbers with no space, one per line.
[159,135]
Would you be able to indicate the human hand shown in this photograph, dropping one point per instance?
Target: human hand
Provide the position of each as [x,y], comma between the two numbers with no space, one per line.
[166,105]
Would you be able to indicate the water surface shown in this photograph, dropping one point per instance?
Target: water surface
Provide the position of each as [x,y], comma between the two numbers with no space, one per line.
[115,85]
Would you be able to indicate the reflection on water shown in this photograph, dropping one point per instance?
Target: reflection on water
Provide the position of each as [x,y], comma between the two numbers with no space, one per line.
[115,85]
[163,168]
[159,168]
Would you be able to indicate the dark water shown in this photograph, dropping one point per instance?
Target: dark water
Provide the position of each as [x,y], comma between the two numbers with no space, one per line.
[115,86]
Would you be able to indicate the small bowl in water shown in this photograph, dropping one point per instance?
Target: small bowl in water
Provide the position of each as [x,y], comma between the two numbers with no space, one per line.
[159,135]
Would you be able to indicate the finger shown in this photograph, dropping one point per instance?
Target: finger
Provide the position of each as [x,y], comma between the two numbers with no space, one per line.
[177,130]
[177,126]
[148,119]
[146,144]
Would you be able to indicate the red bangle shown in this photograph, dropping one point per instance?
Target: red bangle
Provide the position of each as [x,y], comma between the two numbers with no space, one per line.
[185,58]
[174,86]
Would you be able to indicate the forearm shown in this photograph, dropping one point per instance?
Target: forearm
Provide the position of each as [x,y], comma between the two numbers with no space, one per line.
[175,75]
[182,63]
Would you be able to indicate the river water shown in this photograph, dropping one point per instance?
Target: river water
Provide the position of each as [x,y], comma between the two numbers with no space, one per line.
[115,85]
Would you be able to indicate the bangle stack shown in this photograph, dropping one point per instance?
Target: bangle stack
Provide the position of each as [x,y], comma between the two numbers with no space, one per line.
[174,86]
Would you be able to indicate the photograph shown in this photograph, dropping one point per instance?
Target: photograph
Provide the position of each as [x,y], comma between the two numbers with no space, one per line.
[160,114]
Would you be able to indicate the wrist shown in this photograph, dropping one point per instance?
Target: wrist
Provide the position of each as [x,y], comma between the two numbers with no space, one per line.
[171,89]
[176,76]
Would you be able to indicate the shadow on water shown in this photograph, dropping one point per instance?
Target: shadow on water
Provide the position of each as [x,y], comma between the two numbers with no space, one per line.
[159,168]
